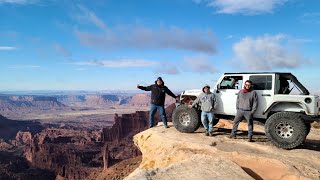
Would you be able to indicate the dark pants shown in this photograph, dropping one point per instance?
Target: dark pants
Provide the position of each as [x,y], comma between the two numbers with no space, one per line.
[239,117]
[153,110]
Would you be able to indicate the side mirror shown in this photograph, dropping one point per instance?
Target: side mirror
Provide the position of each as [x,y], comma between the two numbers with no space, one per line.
[218,87]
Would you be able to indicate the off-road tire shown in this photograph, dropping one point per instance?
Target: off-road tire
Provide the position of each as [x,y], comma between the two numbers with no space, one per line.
[186,119]
[286,129]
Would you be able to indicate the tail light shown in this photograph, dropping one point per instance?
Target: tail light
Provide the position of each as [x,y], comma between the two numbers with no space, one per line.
[187,101]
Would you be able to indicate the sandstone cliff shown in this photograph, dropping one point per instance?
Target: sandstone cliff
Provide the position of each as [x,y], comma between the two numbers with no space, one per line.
[71,154]
[169,154]
[9,128]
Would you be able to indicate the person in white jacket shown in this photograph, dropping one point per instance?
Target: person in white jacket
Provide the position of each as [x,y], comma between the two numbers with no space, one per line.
[208,103]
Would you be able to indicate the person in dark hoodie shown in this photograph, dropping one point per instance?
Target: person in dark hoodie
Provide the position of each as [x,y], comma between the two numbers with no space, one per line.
[158,94]
[247,103]
[208,103]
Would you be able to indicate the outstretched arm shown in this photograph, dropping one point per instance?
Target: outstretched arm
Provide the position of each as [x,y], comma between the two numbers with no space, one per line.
[195,102]
[170,93]
[145,88]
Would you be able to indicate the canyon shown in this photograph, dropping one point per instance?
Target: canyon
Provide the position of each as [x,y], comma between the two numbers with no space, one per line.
[115,143]
[57,152]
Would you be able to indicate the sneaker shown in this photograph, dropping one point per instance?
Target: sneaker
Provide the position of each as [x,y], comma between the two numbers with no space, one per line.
[211,134]
[232,136]
[206,133]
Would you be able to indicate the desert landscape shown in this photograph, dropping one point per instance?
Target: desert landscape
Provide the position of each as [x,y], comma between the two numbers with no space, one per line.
[94,141]
[56,138]
[79,77]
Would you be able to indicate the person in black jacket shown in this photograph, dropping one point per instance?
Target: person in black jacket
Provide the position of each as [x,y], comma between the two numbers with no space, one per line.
[158,94]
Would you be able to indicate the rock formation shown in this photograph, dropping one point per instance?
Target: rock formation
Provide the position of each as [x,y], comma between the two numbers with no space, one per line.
[169,154]
[68,153]
[80,154]
[10,128]
[16,167]
[129,124]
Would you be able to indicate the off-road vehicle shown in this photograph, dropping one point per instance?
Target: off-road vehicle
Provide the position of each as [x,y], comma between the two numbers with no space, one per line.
[285,106]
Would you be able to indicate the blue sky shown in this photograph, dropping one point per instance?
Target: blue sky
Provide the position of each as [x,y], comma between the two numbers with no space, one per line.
[115,45]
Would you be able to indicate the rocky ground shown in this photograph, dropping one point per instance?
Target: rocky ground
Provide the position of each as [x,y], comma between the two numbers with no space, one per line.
[169,154]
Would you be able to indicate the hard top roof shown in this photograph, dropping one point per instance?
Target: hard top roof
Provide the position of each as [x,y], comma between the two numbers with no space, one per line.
[259,73]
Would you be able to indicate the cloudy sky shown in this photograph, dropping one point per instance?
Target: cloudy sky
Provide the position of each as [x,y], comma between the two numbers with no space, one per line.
[115,45]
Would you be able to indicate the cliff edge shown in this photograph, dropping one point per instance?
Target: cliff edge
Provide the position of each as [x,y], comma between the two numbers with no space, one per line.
[169,154]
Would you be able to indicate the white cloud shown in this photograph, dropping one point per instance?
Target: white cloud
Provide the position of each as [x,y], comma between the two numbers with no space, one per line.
[167,69]
[7,48]
[124,63]
[229,37]
[90,16]
[24,67]
[199,64]
[313,18]
[20,2]
[246,7]
[141,37]
[145,38]
[61,50]
[267,52]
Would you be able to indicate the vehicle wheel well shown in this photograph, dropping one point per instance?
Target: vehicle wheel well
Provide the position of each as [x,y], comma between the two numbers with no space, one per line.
[278,107]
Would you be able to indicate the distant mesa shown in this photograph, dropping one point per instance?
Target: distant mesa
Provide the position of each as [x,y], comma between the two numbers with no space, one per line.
[15,103]
[64,102]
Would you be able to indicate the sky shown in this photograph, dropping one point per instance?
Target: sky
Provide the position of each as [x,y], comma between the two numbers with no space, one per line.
[115,45]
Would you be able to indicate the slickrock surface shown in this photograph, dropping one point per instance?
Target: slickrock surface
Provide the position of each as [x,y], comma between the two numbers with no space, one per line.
[169,154]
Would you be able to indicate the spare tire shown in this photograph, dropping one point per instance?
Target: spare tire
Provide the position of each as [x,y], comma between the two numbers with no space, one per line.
[286,129]
[186,119]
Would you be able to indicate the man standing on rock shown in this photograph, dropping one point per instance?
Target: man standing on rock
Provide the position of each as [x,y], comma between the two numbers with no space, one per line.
[208,103]
[158,94]
[247,103]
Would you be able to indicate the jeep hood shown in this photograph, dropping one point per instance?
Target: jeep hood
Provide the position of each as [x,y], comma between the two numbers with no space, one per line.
[194,92]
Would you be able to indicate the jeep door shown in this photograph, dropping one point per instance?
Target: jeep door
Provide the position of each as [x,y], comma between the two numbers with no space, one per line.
[264,87]
[226,94]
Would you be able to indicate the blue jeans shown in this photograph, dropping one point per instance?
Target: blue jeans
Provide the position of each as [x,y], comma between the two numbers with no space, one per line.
[207,120]
[153,110]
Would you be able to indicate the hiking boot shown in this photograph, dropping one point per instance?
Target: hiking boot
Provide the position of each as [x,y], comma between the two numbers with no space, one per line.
[250,138]
[206,133]
[232,136]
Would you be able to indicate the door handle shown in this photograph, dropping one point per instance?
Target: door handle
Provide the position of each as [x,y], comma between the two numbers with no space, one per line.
[266,94]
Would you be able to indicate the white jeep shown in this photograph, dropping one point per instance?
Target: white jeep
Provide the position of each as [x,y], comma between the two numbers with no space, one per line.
[285,106]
